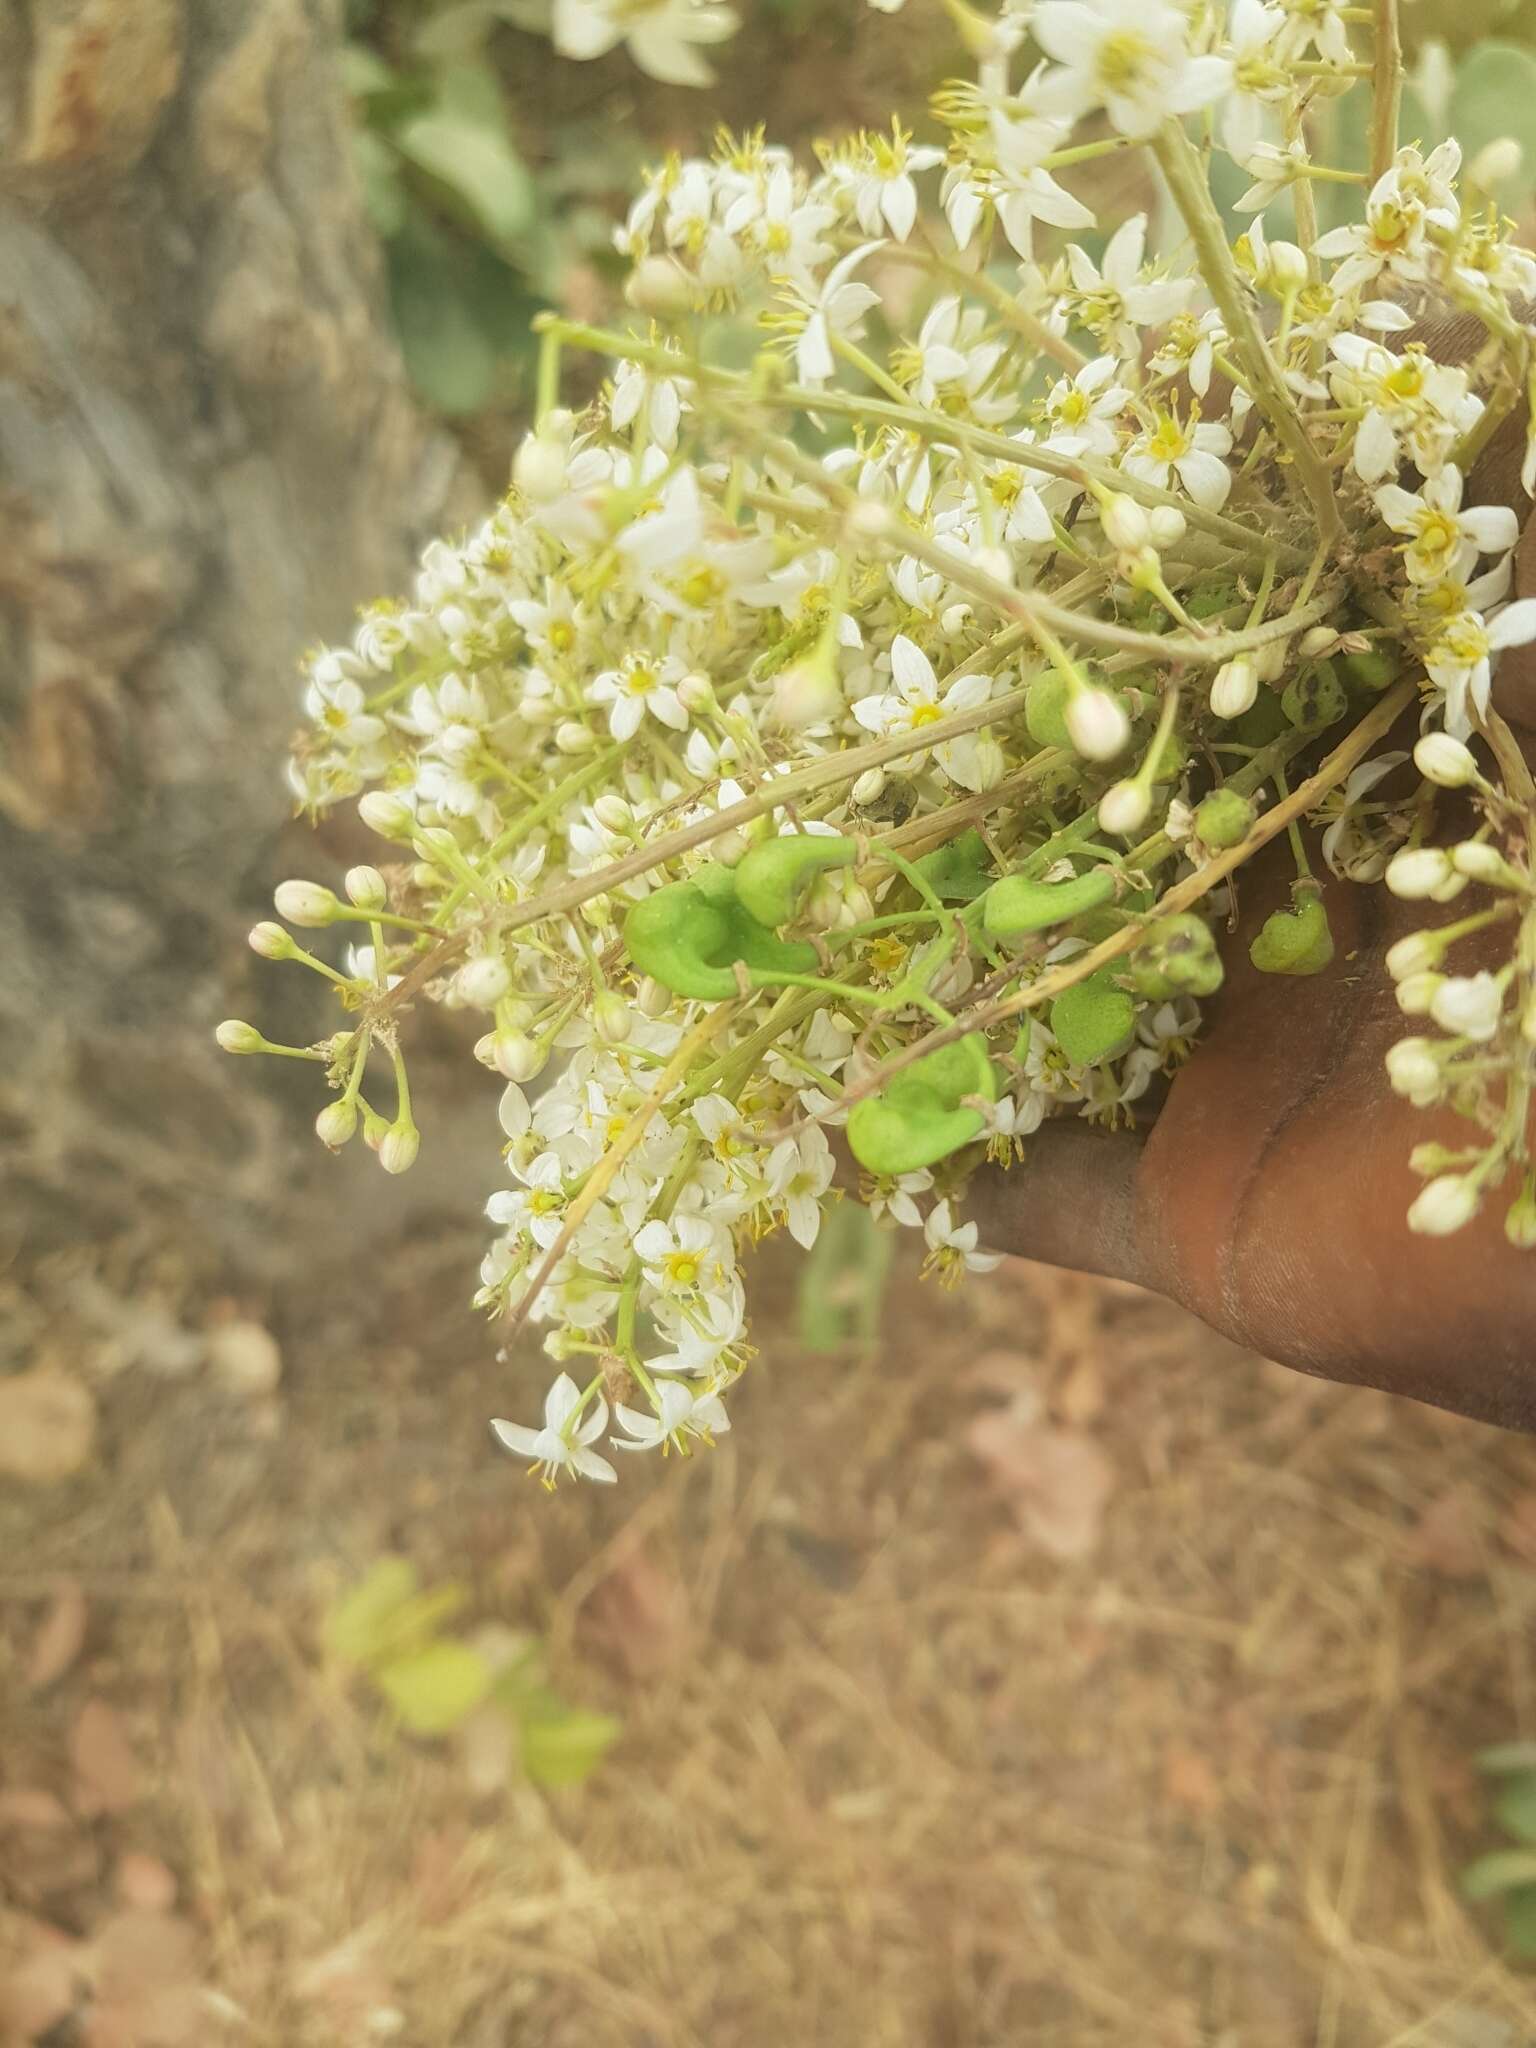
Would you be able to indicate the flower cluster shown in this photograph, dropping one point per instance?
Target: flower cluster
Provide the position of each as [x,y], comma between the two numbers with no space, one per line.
[858,741]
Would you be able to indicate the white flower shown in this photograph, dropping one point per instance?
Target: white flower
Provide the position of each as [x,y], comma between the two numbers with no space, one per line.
[1459,659]
[1081,410]
[1130,57]
[1260,75]
[1469,1005]
[1444,1205]
[638,391]
[683,1257]
[661,34]
[839,309]
[641,685]
[1023,191]
[1355,845]
[915,702]
[799,1173]
[1445,541]
[952,1246]
[1115,301]
[561,1445]
[1192,453]
[679,1413]
[880,179]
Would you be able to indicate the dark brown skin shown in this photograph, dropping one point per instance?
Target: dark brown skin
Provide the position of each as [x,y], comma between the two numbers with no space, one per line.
[1269,1194]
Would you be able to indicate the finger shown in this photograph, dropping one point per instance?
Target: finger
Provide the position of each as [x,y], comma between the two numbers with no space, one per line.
[1071,1201]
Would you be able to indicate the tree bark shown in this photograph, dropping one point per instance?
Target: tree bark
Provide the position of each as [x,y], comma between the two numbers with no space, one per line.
[208,458]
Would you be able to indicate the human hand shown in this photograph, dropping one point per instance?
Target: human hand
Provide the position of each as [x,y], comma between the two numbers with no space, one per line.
[1269,1195]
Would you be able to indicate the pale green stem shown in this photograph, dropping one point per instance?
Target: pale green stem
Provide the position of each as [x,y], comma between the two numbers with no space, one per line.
[1182,167]
[1387,91]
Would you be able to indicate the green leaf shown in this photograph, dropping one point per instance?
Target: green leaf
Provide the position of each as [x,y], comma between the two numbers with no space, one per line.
[567,1749]
[1493,96]
[842,1285]
[378,170]
[1507,1756]
[1520,1922]
[475,165]
[358,1626]
[960,870]
[363,71]
[451,358]
[1500,1871]
[1515,1808]
[434,1689]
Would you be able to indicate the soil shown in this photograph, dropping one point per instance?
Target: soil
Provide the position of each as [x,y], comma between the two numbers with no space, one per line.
[1051,1673]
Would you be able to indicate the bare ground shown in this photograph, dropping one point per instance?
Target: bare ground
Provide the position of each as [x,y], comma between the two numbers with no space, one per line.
[892,1773]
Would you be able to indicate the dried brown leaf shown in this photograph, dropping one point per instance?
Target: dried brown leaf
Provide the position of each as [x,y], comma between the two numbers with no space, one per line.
[1058,1481]
[107,1774]
[59,1637]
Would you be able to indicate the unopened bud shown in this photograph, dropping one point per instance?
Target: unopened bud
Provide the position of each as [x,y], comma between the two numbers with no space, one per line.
[390,816]
[652,999]
[539,468]
[1286,270]
[987,764]
[1480,862]
[1317,641]
[336,1123]
[1123,808]
[305,903]
[695,692]
[572,737]
[1444,1205]
[869,786]
[1125,523]
[808,692]
[1495,162]
[1413,1069]
[1418,872]
[519,1057]
[1416,993]
[270,941]
[659,285]
[365,888]
[1416,954]
[1469,1005]
[1097,724]
[236,1036]
[996,563]
[870,520]
[612,1018]
[397,1153]
[1167,525]
[1445,761]
[1520,1219]
[1235,688]
[482,983]
[615,813]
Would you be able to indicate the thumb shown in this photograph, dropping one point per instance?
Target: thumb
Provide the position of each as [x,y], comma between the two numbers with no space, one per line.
[1072,1202]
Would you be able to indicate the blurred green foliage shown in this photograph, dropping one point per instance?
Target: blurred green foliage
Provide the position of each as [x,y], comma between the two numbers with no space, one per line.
[1509,1874]
[392,1630]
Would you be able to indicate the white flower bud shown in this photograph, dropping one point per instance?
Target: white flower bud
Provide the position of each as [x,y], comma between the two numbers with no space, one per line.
[1445,761]
[869,787]
[870,520]
[519,1057]
[1444,1206]
[954,619]
[1479,862]
[652,999]
[305,903]
[572,737]
[1123,808]
[1286,270]
[1418,872]
[1496,161]
[236,1036]
[1235,688]
[729,848]
[365,888]
[397,1153]
[1096,724]
[1316,641]
[482,983]
[695,692]
[1125,523]
[1413,1069]
[270,941]
[539,468]
[987,763]
[808,692]
[612,1018]
[995,562]
[1416,954]
[613,812]
[1416,992]
[1449,889]
[1469,1005]
[1520,1220]
[659,285]
[1167,525]
[336,1123]
[390,816]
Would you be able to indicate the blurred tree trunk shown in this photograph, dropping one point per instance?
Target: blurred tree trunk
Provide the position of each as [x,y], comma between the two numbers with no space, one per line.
[207,459]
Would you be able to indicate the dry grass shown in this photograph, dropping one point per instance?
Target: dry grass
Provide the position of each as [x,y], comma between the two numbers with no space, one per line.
[889,1777]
